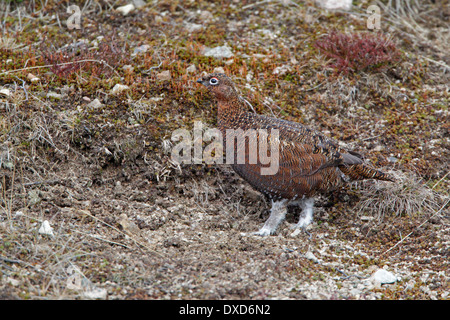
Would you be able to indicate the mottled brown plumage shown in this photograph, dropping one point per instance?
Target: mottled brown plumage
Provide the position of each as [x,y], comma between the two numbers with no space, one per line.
[309,162]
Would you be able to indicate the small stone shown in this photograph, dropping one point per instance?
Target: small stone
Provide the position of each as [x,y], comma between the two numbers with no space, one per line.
[156,99]
[219,70]
[32,77]
[164,76]
[382,276]
[128,225]
[335,4]
[219,52]
[5,92]
[172,242]
[191,69]
[8,165]
[378,148]
[139,3]
[128,68]
[33,197]
[392,159]
[119,88]
[12,281]
[126,9]
[19,213]
[259,55]
[192,27]
[309,255]
[205,16]
[281,70]
[249,76]
[268,33]
[355,292]
[95,293]
[141,49]
[95,104]
[46,228]
[54,95]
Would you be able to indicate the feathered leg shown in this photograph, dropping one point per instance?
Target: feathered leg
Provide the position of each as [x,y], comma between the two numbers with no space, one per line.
[306,217]
[277,215]
[307,213]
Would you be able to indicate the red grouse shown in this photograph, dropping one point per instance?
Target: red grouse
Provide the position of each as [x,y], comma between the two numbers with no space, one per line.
[308,162]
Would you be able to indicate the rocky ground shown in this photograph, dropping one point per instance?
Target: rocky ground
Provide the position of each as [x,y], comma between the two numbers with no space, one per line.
[93,207]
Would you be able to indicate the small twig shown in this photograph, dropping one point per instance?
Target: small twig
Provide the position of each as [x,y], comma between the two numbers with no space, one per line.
[59,22]
[49,182]
[23,87]
[102,239]
[155,67]
[440,180]
[5,266]
[254,4]
[61,64]
[311,89]
[370,138]
[10,260]
[440,63]
[346,276]
[248,103]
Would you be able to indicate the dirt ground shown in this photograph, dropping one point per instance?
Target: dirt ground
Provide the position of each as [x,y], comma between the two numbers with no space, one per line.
[93,207]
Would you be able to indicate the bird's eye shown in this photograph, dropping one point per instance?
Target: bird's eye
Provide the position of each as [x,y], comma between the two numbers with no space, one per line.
[213,81]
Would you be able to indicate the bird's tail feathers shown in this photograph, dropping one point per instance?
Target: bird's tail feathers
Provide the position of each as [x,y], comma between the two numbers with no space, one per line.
[362,172]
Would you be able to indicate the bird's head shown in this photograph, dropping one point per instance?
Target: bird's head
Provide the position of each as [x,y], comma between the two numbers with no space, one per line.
[220,85]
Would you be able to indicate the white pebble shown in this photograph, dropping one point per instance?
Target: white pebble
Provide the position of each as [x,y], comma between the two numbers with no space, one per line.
[191,69]
[119,88]
[46,228]
[95,104]
[219,52]
[382,276]
[126,9]
[309,255]
[219,70]
[95,293]
[164,76]
[5,92]
[32,77]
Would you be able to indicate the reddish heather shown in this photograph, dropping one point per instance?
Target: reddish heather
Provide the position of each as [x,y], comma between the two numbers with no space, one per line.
[358,51]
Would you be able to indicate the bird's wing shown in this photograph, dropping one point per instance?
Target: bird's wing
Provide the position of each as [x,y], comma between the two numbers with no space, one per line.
[308,151]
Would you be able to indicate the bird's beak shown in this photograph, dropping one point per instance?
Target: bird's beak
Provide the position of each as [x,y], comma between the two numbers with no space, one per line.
[200,80]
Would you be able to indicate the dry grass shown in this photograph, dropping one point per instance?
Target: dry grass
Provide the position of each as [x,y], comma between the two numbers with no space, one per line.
[409,17]
[407,196]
